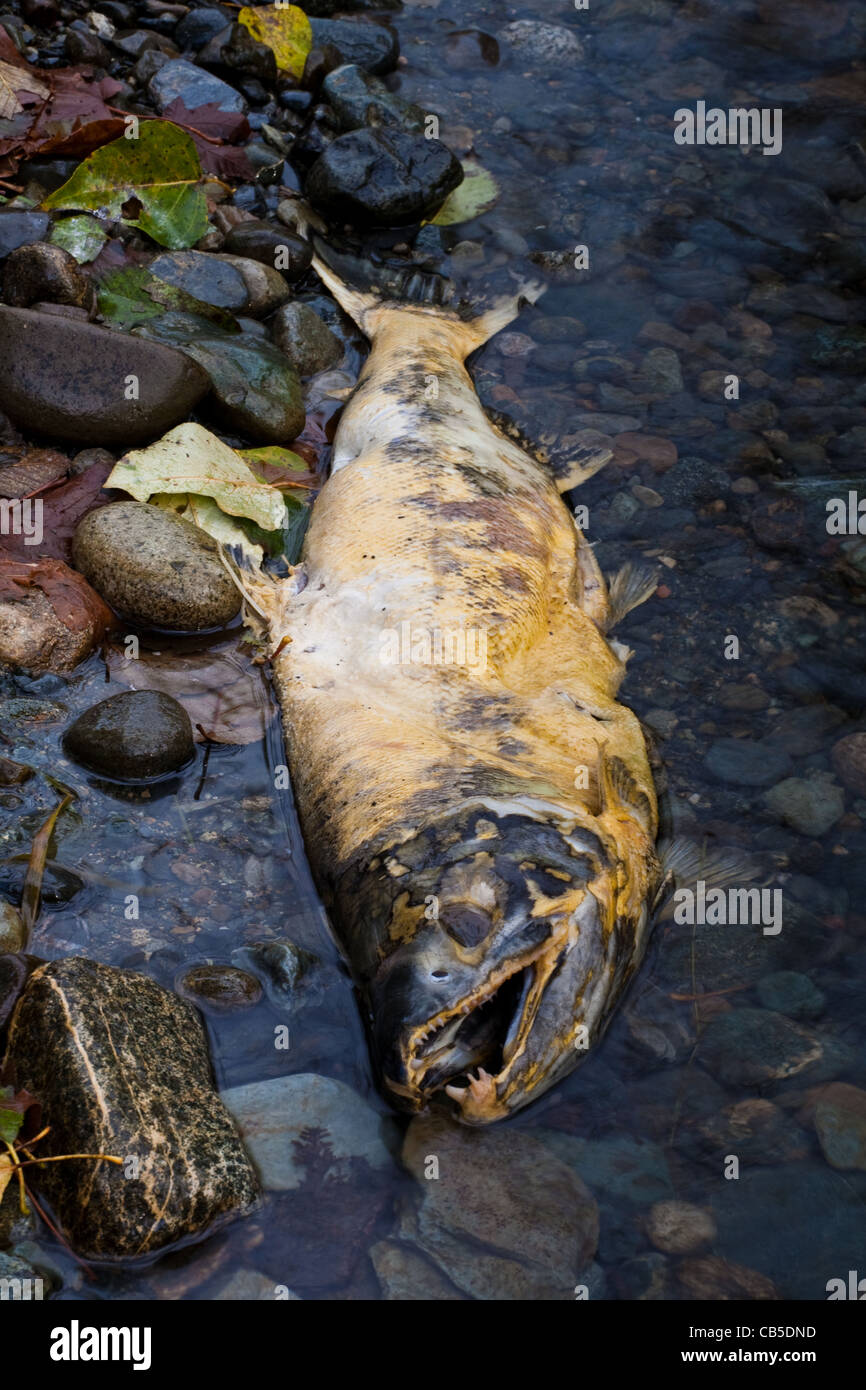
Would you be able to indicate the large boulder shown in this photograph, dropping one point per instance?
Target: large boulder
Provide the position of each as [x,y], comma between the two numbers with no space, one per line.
[120,1066]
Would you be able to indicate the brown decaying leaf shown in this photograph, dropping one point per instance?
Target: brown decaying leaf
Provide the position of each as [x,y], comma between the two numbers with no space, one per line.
[15,83]
[35,471]
[77,605]
[63,506]
[220,690]
[32,891]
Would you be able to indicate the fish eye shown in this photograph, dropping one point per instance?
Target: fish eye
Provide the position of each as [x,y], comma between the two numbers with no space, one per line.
[439,974]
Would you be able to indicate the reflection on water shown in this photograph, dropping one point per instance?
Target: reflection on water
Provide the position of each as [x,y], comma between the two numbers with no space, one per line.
[717,338]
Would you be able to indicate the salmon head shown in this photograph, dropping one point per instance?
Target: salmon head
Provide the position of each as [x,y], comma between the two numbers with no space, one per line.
[505,944]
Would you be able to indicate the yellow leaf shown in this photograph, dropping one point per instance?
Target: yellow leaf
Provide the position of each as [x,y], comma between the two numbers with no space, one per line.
[285,30]
[7,1168]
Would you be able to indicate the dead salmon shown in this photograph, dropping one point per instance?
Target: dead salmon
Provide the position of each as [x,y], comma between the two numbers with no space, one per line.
[477,807]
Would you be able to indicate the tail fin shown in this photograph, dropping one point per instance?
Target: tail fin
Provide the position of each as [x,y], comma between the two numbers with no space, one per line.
[392,288]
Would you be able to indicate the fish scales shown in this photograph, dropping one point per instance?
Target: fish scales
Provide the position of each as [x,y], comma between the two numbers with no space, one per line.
[481,830]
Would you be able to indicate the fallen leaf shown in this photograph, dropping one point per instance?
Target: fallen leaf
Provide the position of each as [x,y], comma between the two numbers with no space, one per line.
[476,194]
[35,471]
[81,236]
[155,178]
[63,506]
[32,894]
[14,80]
[75,603]
[204,513]
[223,692]
[280,467]
[190,459]
[285,30]
[214,133]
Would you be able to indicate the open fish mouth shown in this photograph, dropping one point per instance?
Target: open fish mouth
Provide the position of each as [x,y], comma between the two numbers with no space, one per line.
[469,1050]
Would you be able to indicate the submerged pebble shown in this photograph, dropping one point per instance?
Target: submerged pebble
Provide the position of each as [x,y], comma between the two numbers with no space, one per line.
[222,988]
[132,737]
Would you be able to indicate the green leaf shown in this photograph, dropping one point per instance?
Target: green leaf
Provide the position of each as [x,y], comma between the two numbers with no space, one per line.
[476,194]
[13,1107]
[189,459]
[133,296]
[151,183]
[273,456]
[81,236]
[286,30]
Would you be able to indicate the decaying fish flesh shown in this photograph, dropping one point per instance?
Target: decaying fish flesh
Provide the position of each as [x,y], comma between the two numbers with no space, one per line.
[478,809]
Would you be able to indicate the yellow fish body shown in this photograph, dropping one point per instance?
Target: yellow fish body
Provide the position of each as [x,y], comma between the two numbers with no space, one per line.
[478,809]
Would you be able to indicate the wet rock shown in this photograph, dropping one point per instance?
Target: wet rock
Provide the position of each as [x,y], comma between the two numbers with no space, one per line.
[252,60]
[282,964]
[276,247]
[790,993]
[799,1224]
[196,27]
[810,805]
[712,1278]
[266,287]
[805,730]
[133,737]
[505,1218]
[220,988]
[306,340]
[370,46]
[660,373]
[13,977]
[678,1228]
[358,99]
[208,278]
[751,1047]
[154,567]
[19,228]
[69,378]
[840,1123]
[195,86]
[45,272]
[251,1286]
[83,46]
[121,1067]
[273,1115]
[548,45]
[51,629]
[647,1277]
[620,1169]
[383,177]
[256,389]
[13,937]
[405,1276]
[756,1130]
[849,761]
[746,762]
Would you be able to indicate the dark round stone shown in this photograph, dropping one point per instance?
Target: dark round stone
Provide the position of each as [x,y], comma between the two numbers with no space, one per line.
[133,737]
[383,177]
[274,246]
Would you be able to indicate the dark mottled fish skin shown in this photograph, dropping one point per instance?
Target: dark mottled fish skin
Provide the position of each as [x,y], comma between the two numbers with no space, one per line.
[482,832]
